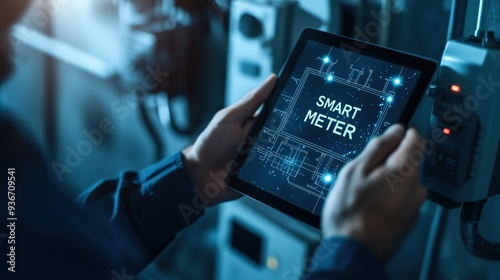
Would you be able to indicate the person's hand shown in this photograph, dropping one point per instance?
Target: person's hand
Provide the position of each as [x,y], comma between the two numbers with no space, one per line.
[377,196]
[209,160]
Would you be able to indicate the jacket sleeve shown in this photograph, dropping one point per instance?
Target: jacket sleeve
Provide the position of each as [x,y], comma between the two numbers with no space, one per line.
[152,205]
[343,258]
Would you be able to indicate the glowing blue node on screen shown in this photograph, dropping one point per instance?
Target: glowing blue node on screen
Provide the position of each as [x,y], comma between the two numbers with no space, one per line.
[390,99]
[397,81]
[326,59]
[329,78]
[328,178]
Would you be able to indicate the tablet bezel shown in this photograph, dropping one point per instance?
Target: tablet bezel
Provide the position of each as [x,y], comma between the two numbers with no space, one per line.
[425,66]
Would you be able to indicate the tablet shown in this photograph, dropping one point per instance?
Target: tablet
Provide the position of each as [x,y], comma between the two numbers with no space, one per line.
[333,96]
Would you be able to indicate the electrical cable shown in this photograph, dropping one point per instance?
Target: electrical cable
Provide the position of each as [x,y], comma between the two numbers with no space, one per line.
[469,231]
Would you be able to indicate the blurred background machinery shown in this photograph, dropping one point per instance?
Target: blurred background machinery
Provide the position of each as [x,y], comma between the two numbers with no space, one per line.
[262,34]
[159,69]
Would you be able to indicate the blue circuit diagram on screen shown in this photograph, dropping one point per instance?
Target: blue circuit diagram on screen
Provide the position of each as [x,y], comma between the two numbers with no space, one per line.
[327,113]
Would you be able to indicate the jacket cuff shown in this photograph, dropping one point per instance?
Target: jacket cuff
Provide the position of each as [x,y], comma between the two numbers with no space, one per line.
[344,258]
[170,201]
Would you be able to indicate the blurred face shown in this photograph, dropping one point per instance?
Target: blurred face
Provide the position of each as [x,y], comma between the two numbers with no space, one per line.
[10,11]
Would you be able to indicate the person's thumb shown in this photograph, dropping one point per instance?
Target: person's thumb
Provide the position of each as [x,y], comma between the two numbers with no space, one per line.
[246,107]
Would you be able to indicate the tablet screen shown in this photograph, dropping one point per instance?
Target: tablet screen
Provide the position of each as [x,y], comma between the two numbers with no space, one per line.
[333,103]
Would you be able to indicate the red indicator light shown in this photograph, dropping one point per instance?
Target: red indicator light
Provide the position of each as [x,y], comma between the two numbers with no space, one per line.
[455,88]
[446,131]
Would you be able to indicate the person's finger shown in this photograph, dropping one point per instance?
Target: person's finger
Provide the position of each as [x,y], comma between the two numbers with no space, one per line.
[379,148]
[406,157]
[246,107]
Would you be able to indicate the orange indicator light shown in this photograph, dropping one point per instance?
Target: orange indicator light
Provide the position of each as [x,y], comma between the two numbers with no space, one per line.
[455,88]
[446,131]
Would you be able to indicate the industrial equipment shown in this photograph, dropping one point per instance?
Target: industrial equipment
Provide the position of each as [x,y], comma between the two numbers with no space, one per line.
[462,147]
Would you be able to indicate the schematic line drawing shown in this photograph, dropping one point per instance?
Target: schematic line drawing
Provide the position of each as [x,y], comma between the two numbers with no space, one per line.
[299,160]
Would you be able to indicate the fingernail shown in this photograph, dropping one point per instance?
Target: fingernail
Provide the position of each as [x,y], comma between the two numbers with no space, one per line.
[396,130]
